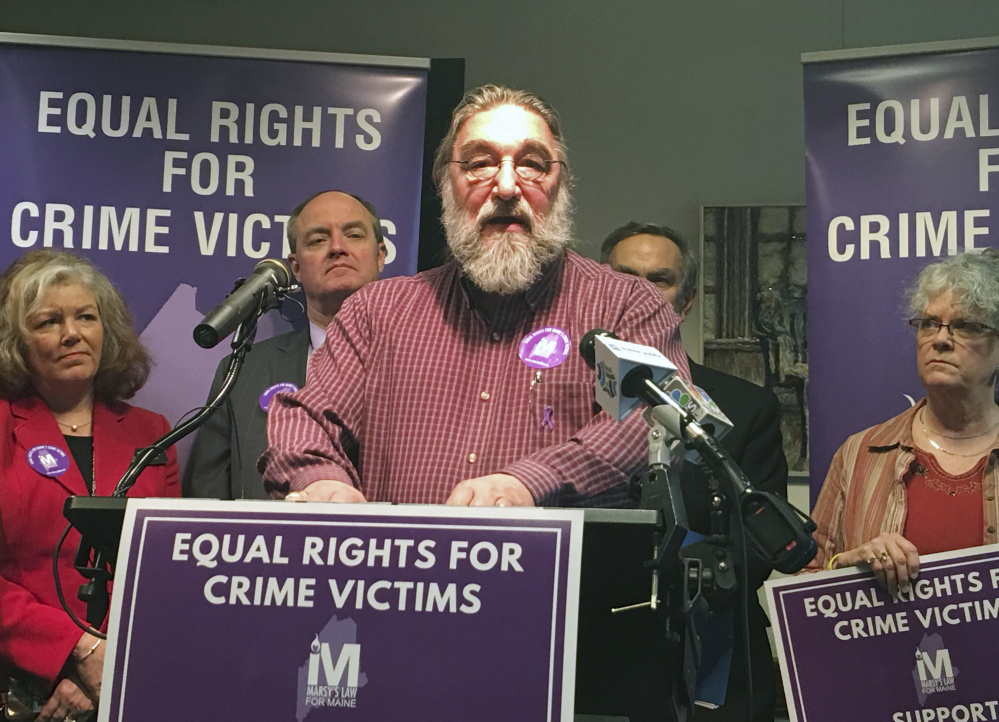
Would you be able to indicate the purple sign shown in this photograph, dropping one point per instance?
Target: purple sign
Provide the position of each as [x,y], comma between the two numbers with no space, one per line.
[545,348]
[845,644]
[174,168]
[392,612]
[48,460]
[902,169]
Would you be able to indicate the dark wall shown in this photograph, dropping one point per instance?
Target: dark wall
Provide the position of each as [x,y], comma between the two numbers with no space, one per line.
[667,105]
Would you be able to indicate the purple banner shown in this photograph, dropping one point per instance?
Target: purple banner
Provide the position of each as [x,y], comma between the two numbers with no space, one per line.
[902,163]
[308,612]
[846,645]
[174,169]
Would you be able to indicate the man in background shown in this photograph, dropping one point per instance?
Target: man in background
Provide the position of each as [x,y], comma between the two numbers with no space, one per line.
[662,256]
[336,247]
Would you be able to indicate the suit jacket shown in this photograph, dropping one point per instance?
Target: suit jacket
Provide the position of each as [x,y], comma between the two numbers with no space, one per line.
[755,444]
[36,635]
[223,463]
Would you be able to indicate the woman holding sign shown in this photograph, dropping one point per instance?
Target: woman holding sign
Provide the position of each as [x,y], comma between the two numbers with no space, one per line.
[68,356]
[925,481]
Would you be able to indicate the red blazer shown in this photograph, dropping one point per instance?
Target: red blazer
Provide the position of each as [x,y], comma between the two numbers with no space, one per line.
[36,635]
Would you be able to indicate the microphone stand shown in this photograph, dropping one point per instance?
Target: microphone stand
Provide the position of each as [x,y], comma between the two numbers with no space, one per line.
[706,579]
[779,534]
[766,522]
[99,519]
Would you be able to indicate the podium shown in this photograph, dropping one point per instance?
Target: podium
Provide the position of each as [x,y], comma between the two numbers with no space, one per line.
[259,610]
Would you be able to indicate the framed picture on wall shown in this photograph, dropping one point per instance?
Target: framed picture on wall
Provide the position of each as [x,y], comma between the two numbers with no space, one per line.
[753,296]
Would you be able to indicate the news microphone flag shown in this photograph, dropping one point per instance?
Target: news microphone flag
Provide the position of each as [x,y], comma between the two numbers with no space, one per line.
[701,408]
[614,360]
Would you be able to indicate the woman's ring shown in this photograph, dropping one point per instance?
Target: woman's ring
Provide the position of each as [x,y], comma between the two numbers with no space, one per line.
[884,556]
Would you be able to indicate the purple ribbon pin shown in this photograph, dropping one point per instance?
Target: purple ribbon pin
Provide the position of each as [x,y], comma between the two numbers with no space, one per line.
[548,418]
[271,391]
[48,460]
[544,348]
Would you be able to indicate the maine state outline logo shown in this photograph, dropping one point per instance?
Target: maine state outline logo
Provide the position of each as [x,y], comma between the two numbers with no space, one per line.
[934,672]
[331,675]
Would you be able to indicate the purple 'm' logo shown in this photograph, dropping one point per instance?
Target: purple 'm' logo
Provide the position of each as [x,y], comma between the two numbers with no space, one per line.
[48,460]
[544,348]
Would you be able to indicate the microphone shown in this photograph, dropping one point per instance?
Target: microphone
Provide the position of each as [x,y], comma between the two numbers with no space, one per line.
[626,372]
[257,292]
[779,533]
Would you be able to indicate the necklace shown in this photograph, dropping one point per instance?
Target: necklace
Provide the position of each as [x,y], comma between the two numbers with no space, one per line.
[74,427]
[922,418]
[939,448]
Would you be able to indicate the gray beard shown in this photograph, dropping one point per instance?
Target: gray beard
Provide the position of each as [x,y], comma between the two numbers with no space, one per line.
[515,259]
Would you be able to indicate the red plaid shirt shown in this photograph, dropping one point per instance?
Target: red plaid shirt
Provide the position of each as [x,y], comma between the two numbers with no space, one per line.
[414,391]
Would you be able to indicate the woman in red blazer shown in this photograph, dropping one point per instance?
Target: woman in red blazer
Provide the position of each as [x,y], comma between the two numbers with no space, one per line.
[68,356]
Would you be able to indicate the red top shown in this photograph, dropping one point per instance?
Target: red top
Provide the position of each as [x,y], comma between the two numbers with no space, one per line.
[945,511]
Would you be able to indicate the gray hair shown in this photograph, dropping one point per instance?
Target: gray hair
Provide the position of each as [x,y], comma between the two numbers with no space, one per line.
[689,267]
[973,276]
[485,98]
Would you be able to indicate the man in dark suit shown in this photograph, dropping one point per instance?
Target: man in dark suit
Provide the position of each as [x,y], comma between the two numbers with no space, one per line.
[336,247]
[662,256]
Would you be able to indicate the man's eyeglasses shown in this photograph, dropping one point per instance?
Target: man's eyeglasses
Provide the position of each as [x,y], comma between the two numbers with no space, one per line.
[484,167]
[958,328]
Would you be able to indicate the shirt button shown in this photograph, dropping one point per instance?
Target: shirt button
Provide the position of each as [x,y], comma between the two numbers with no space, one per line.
[484,395]
[472,457]
[989,497]
[495,335]
[991,529]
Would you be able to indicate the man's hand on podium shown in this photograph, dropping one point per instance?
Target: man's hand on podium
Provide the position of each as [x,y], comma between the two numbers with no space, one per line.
[491,490]
[327,490]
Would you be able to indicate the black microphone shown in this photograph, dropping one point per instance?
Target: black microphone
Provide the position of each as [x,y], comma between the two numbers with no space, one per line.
[587,348]
[256,292]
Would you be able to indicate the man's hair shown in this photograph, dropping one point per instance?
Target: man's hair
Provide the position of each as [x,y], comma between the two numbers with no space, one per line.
[125,363]
[376,222]
[974,278]
[485,98]
[688,262]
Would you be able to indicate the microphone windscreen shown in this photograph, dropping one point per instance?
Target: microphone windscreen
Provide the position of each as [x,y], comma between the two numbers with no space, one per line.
[586,347]
[278,269]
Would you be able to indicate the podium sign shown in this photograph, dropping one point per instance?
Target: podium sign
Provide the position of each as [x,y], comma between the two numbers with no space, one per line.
[310,612]
[848,650]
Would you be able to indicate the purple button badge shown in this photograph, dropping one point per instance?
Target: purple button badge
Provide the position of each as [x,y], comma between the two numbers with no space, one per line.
[48,460]
[265,398]
[545,348]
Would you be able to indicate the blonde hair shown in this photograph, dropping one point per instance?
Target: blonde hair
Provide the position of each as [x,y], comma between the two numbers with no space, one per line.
[125,363]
